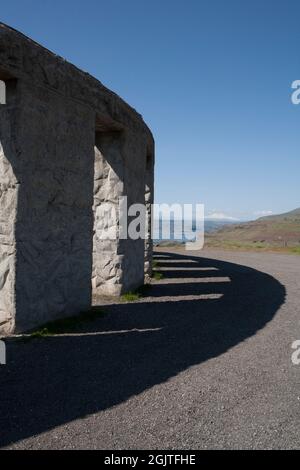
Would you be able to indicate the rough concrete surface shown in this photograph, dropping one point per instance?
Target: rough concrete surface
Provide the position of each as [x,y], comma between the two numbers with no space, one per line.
[203,362]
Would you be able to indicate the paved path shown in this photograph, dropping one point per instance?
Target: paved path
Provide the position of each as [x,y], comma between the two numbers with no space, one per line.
[203,362]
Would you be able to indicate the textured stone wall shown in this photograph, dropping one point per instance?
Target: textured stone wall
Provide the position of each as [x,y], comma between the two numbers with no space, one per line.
[67,145]
[135,190]
[54,219]
[108,188]
[2,92]
[149,199]
[8,206]
[119,171]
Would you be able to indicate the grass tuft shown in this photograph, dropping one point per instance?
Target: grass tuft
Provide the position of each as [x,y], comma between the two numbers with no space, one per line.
[130,296]
[295,250]
[157,275]
[65,325]
[133,296]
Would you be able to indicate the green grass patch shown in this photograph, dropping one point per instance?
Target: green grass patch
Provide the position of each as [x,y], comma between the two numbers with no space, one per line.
[238,245]
[253,246]
[295,250]
[157,275]
[133,296]
[130,296]
[65,325]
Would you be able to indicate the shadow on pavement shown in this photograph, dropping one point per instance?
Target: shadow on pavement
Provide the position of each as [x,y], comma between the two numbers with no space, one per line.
[50,382]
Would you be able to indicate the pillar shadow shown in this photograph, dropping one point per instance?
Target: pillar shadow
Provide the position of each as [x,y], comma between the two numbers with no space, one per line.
[50,382]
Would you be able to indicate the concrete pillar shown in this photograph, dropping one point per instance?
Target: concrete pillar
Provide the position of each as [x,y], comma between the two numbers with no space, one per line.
[46,184]
[107,272]
[149,199]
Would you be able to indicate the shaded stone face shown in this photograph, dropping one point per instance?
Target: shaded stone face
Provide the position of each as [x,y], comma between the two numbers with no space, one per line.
[67,145]
[2,92]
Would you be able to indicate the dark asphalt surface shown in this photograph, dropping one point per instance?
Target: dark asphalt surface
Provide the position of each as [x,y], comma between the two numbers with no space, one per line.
[204,362]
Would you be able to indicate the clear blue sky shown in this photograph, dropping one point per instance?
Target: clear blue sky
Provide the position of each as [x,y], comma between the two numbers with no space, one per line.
[211,78]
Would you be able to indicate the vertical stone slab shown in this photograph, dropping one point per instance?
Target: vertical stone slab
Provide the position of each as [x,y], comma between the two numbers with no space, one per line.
[120,163]
[54,223]
[107,275]
[2,92]
[149,199]
[133,249]
[8,210]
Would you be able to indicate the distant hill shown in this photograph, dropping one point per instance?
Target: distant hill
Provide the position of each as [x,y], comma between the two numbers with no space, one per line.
[280,232]
[211,225]
[287,216]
